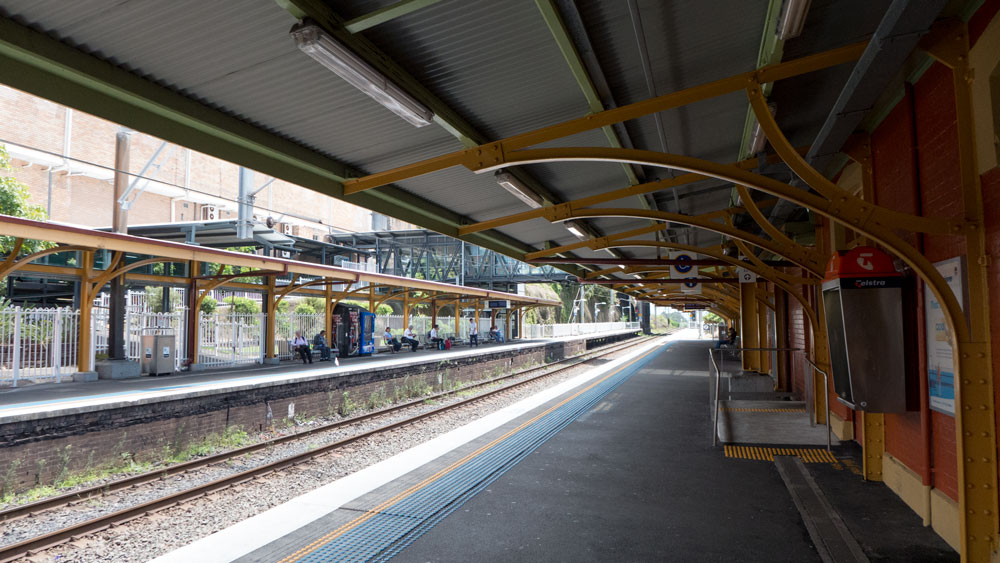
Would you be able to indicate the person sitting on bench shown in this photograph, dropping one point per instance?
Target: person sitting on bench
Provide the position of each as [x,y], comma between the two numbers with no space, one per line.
[435,338]
[391,341]
[410,338]
[496,335]
[319,343]
[302,347]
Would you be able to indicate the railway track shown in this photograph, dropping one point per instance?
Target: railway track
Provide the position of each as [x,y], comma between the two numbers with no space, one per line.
[27,547]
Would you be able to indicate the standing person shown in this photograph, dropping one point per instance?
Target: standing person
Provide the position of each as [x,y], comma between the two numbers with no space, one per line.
[319,343]
[410,338]
[390,340]
[302,347]
[434,337]
[732,336]
[474,333]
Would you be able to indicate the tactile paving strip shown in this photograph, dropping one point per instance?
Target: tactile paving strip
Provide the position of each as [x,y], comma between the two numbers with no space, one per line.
[760,453]
[385,530]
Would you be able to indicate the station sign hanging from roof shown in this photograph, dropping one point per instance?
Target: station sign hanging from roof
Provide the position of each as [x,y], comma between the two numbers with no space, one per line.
[682,270]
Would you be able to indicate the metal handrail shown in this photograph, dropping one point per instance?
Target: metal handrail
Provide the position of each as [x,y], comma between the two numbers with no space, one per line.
[718,383]
[826,399]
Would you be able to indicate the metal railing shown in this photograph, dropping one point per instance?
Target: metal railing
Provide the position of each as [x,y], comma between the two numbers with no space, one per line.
[718,380]
[826,399]
[574,329]
[37,344]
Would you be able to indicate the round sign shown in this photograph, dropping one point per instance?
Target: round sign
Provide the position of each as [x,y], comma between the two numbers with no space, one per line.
[691,283]
[683,268]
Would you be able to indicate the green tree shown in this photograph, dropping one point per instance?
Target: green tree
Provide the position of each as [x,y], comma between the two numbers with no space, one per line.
[14,201]
[242,305]
[304,308]
[208,305]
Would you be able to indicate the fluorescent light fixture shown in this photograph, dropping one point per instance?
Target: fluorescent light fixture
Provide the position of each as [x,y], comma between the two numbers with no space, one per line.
[576,229]
[621,266]
[318,44]
[793,18]
[637,276]
[510,183]
[609,251]
[576,232]
[758,138]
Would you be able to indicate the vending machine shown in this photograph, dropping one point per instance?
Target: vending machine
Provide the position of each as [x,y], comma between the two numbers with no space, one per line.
[348,331]
[366,325]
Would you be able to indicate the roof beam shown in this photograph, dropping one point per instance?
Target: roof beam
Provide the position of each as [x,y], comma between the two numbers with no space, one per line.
[444,116]
[388,13]
[477,157]
[34,62]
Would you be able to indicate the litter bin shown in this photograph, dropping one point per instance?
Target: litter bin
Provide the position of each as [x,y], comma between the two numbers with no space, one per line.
[158,352]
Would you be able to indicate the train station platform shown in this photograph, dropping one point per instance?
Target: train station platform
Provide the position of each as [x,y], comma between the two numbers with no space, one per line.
[614,464]
[93,422]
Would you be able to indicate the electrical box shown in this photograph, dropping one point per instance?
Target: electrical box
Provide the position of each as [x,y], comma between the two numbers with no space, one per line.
[863,300]
[158,353]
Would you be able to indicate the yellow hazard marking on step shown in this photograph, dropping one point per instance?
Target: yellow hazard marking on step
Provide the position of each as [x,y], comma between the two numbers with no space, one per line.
[761,453]
[743,409]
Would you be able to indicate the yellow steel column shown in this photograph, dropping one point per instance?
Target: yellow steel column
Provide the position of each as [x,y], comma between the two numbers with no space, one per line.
[520,324]
[371,298]
[874,444]
[976,442]
[328,312]
[780,318]
[269,324]
[748,325]
[763,358]
[86,306]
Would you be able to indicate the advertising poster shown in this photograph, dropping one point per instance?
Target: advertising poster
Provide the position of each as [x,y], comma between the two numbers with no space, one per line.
[940,363]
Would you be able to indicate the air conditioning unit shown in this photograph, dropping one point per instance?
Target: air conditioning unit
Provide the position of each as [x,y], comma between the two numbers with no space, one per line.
[287,228]
[286,254]
[209,213]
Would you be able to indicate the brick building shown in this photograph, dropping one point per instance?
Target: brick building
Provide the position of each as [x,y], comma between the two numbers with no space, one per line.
[67,158]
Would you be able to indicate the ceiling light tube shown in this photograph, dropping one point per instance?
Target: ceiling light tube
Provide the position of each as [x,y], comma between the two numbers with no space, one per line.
[576,228]
[758,138]
[510,183]
[793,18]
[318,44]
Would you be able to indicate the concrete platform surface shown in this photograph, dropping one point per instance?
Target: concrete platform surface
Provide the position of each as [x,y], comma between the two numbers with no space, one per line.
[631,477]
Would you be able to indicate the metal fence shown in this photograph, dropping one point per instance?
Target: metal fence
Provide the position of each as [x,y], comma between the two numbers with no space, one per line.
[286,324]
[230,339]
[37,345]
[574,329]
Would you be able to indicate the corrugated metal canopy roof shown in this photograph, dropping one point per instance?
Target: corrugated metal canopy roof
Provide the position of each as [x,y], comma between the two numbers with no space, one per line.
[496,65]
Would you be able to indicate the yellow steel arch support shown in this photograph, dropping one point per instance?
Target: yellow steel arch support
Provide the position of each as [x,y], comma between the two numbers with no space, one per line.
[765,271]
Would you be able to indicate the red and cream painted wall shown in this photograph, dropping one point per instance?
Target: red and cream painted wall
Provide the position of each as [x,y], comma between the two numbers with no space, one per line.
[916,170]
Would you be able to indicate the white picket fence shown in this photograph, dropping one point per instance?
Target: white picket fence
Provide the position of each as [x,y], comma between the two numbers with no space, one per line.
[230,339]
[37,344]
[575,329]
[286,324]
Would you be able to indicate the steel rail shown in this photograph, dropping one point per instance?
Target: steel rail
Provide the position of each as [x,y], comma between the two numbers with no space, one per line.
[29,546]
[826,400]
[27,510]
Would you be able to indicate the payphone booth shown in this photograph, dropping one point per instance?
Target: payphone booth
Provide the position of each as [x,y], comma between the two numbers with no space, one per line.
[863,299]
